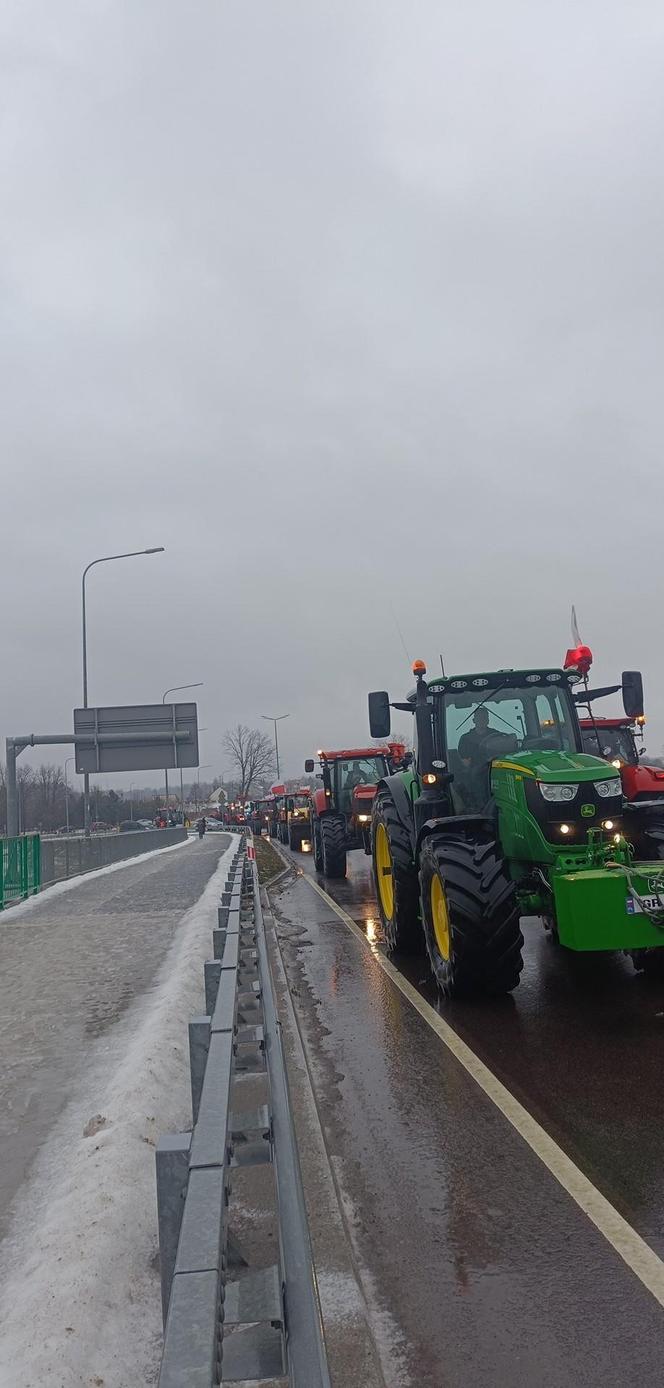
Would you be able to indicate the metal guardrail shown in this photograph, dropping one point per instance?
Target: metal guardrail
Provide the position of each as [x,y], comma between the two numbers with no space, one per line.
[20,868]
[64,856]
[252,1326]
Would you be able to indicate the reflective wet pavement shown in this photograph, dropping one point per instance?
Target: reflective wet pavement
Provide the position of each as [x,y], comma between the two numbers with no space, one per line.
[69,967]
[491,1272]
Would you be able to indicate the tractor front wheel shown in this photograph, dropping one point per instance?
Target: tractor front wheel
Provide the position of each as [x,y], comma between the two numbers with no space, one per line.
[470,917]
[395,878]
[333,846]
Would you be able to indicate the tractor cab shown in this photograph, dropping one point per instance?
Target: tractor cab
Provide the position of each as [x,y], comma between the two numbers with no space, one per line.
[610,738]
[341,809]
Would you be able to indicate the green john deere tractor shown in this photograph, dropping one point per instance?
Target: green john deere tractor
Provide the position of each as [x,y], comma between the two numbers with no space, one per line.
[502,815]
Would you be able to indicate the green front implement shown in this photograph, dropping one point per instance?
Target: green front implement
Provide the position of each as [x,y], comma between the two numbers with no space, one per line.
[610,908]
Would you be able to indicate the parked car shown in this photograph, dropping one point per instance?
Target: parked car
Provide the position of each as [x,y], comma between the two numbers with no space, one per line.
[131,826]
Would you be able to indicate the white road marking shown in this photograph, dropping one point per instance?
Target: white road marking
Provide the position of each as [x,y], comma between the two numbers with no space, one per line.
[634,1251]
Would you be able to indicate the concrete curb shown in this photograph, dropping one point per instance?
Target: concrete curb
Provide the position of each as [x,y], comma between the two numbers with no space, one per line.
[352,1353]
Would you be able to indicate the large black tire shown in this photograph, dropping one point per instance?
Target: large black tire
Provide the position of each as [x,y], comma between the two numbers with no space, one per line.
[466,893]
[295,840]
[396,883]
[333,845]
[318,845]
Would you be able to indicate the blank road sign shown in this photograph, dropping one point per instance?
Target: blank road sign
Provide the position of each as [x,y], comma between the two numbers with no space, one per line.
[137,737]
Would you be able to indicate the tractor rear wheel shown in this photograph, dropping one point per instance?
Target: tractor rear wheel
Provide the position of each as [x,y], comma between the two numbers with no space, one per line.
[470,917]
[294,841]
[333,846]
[395,878]
[318,846]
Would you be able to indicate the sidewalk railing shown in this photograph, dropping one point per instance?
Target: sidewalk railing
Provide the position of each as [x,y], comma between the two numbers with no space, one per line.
[65,857]
[20,868]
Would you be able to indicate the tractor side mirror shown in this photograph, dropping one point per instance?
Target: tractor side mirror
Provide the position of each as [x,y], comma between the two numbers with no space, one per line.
[309,765]
[632,692]
[380,720]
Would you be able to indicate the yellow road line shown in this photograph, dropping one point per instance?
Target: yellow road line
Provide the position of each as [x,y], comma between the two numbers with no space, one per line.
[634,1251]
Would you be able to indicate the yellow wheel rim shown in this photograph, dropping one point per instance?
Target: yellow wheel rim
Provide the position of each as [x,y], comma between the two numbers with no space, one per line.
[384,874]
[440,917]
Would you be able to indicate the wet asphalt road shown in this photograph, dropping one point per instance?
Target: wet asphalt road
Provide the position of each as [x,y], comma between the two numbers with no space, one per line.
[492,1273]
[69,968]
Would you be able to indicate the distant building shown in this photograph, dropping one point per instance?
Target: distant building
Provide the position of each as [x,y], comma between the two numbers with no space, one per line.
[218,797]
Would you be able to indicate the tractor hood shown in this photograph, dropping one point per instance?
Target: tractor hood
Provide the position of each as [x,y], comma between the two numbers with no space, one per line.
[362,798]
[557,766]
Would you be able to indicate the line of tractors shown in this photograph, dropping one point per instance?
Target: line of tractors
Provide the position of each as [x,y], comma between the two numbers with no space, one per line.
[511,805]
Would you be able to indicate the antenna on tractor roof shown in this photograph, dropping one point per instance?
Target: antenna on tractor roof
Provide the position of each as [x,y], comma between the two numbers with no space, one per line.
[442,667]
[394,619]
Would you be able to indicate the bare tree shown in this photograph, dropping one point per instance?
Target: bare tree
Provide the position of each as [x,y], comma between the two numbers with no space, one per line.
[24,784]
[48,795]
[251,754]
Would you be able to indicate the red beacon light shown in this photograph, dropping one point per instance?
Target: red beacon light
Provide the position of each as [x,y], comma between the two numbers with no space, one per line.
[579,659]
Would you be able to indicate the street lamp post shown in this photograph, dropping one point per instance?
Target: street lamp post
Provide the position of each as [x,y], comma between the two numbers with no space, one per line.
[105,559]
[131,801]
[205,767]
[177,689]
[280,719]
[67,761]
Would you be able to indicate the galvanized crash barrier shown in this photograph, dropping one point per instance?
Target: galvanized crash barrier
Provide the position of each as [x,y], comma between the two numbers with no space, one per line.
[225,1323]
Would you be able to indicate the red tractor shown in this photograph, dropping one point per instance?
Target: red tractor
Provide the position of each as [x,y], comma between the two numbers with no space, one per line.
[615,740]
[643,786]
[341,808]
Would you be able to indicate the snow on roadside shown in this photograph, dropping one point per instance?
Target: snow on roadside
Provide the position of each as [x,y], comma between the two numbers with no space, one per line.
[79,1290]
[12,913]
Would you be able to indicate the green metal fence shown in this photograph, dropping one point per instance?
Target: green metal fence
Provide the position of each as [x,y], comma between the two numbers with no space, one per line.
[20,868]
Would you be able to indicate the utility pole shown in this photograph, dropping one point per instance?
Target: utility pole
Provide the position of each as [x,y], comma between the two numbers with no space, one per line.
[280,719]
[67,792]
[105,559]
[176,689]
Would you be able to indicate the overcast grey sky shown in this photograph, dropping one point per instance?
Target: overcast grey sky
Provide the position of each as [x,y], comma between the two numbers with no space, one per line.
[356,307]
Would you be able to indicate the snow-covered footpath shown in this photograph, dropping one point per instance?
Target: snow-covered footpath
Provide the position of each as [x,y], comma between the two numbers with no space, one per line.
[79,1290]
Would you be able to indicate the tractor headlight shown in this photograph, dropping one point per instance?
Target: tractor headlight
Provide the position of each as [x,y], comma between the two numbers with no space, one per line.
[557,793]
[364,818]
[606,788]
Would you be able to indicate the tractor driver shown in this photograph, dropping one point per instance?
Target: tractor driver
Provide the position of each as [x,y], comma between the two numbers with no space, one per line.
[356,776]
[473,786]
[472,742]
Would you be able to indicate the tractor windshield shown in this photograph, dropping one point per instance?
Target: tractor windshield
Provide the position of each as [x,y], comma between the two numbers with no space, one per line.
[357,771]
[615,744]
[508,720]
